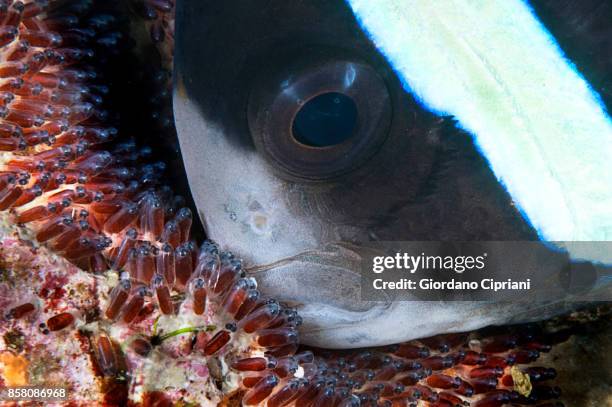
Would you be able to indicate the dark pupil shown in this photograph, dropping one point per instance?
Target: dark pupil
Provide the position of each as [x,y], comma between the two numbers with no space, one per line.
[325,120]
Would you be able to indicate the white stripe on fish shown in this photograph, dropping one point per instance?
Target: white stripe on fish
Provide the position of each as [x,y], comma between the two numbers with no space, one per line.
[493,66]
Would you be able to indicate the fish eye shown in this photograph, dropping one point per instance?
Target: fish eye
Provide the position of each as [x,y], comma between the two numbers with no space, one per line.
[320,120]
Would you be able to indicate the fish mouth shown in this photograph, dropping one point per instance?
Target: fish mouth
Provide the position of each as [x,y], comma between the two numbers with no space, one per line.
[326,286]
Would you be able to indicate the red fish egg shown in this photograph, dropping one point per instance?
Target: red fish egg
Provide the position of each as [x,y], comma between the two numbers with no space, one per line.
[60,321]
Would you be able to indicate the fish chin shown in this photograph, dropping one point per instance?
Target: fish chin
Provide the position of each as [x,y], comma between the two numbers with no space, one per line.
[325,286]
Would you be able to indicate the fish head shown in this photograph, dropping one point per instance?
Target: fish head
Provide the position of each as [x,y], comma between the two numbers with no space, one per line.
[303,146]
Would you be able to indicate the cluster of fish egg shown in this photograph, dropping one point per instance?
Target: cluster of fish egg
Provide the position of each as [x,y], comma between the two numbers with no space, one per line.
[249,332]
[103,209]
[100,205]
[482,369]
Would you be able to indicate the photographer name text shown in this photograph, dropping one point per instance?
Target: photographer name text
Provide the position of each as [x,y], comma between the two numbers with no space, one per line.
[456,264]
